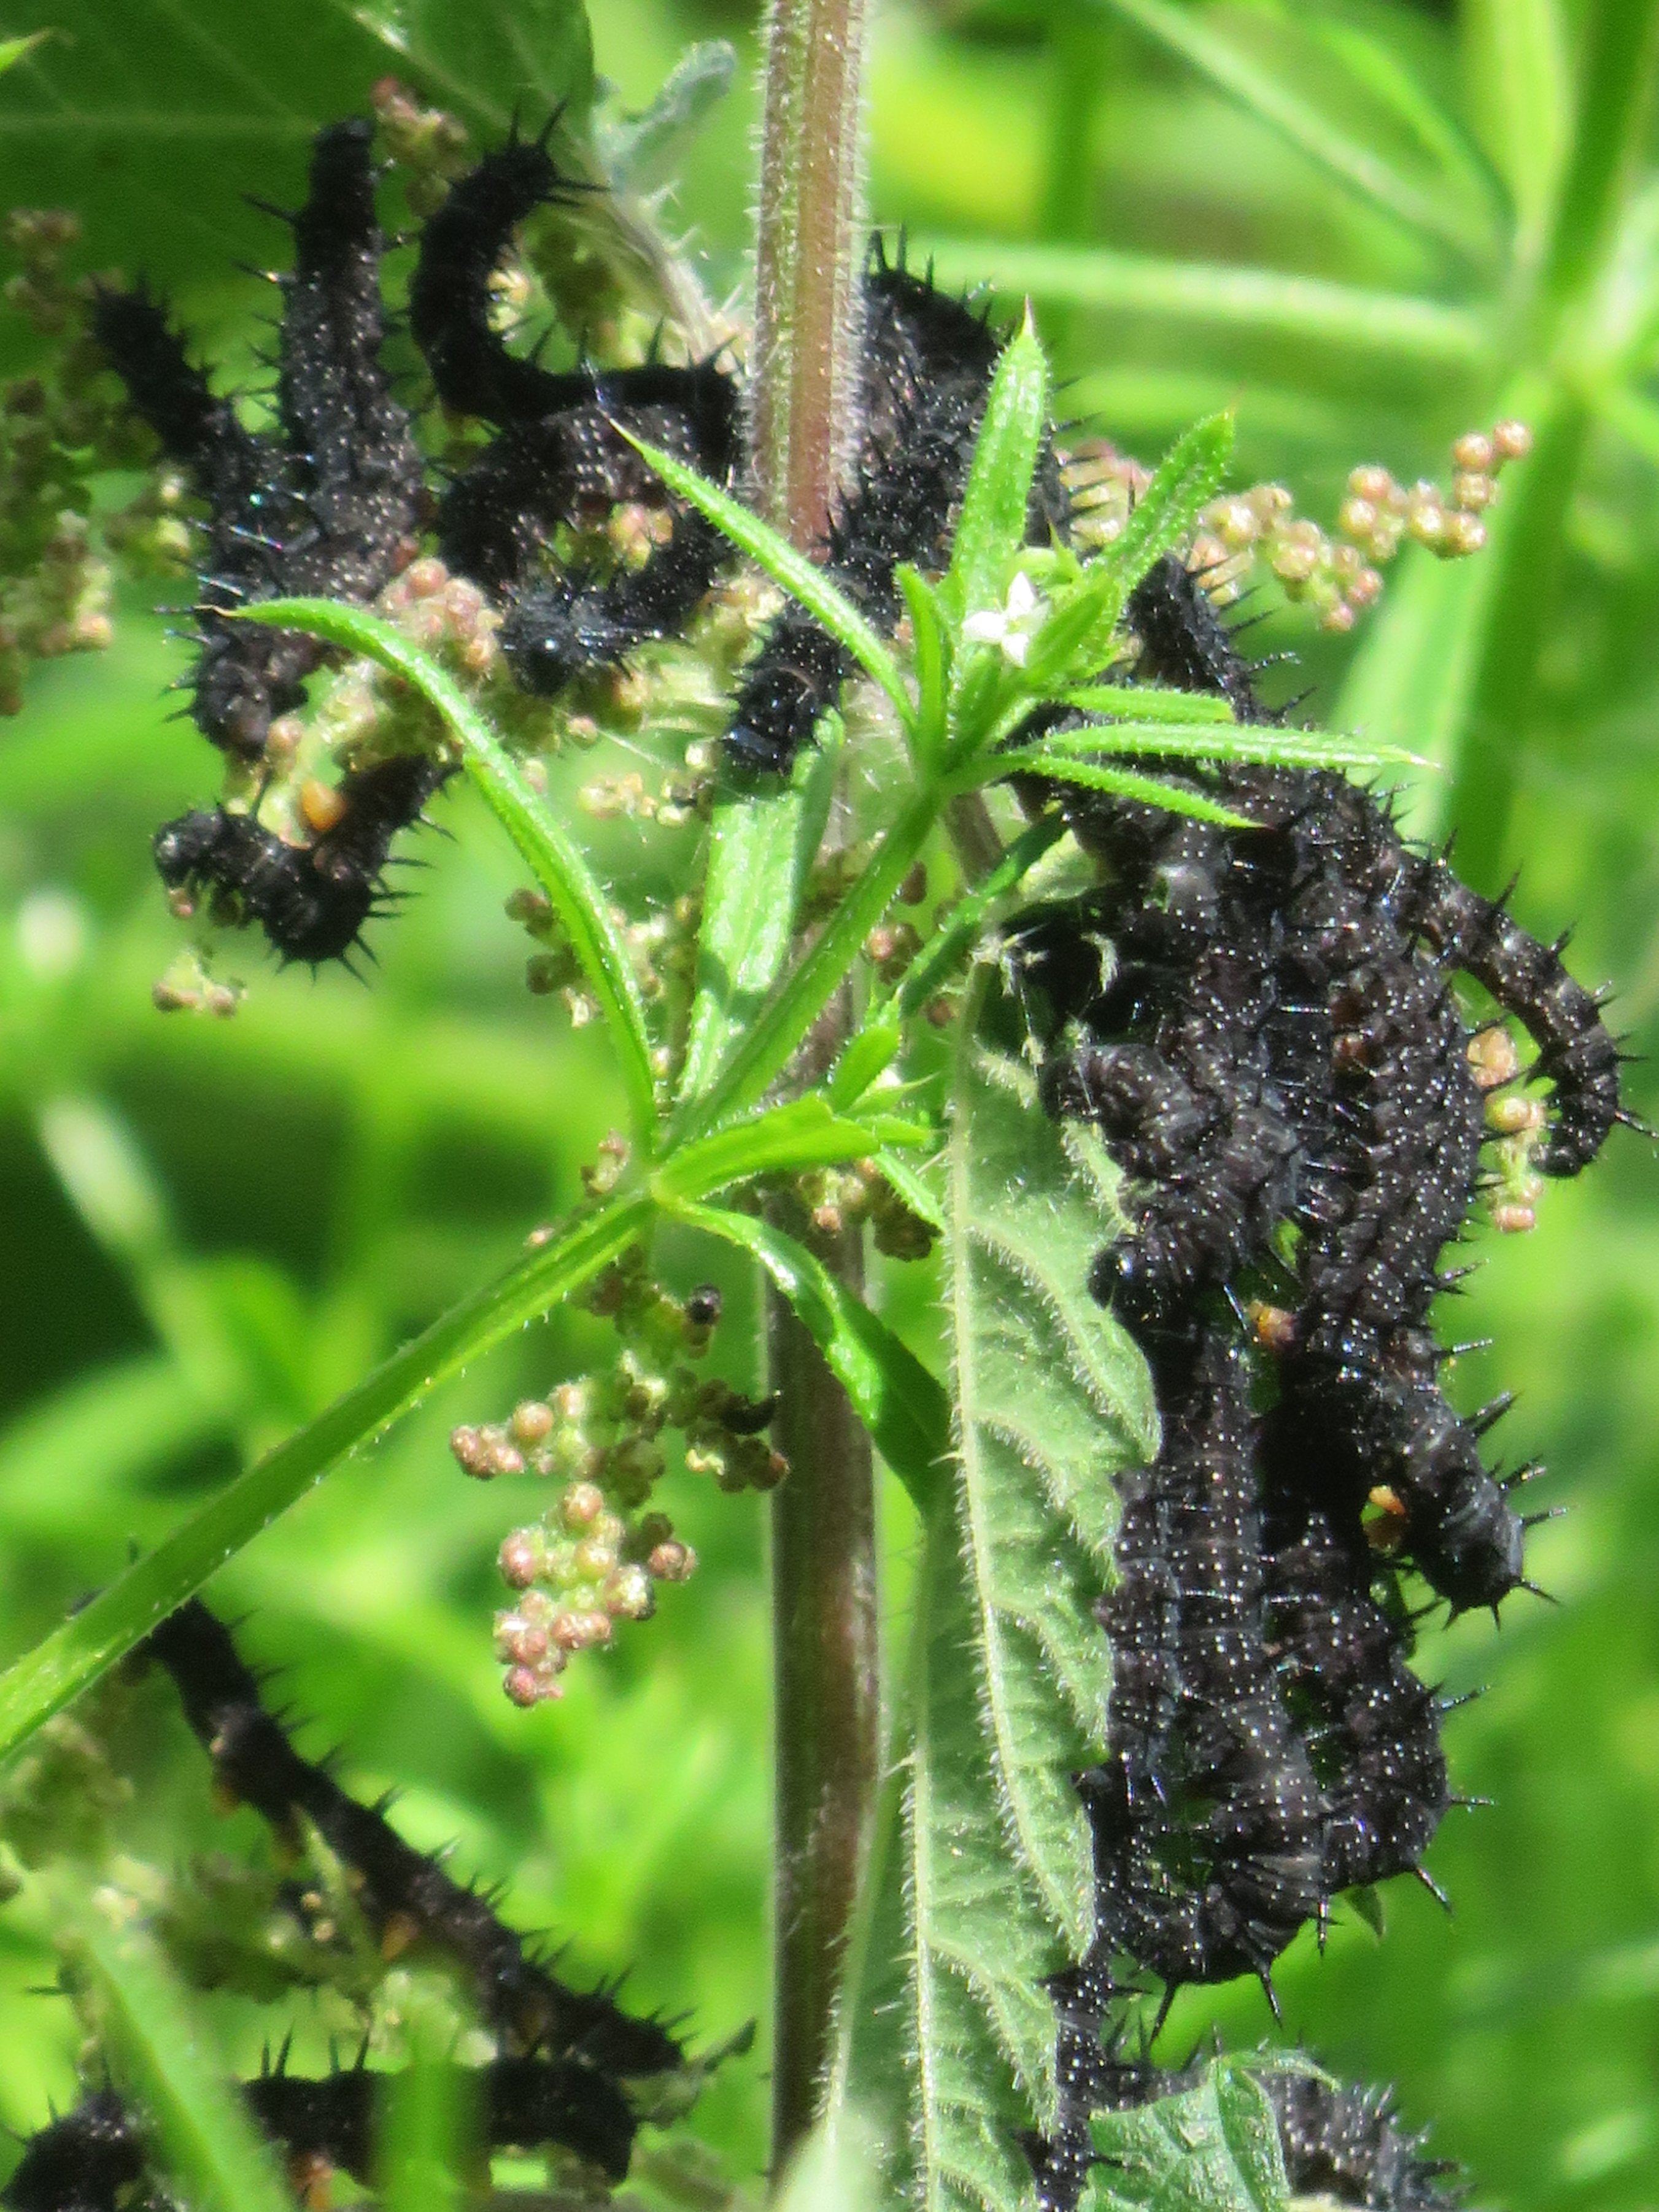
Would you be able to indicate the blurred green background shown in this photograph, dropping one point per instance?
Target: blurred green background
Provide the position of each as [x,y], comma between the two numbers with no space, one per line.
[1367,227]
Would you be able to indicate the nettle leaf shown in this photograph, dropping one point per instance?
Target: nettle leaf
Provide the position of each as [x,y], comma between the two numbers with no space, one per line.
[153,119]
[1214,2147]
[1005,1693]
[1053,1397]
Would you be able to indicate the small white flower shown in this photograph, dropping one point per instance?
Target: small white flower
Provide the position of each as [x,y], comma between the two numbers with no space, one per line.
[1011,625]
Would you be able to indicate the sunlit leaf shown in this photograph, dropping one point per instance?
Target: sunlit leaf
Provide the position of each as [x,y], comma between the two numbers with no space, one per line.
[901,1404]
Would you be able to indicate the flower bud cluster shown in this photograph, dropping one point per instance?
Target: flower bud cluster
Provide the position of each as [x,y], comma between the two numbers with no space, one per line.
[662,948]
[840,1197]
[427,146]
[1105,488]
[1339,573]
[596,1556]
[680,795]
[188,987]
[1517,1120]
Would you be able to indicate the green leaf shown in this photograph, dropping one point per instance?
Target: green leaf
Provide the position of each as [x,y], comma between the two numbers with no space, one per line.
[1187,31]
[642,150]
[932,655]
[761,845]
[900,1403]
[12,51]
[797,575]
[872,1047]
[980,1875]
[154,118]
[1518,68]
[59,1668]
[1121,783]
[992,529]
[1052,1396]
[1166,513]
[167,2057]
[1077,635]
[1212,2149]
[907,1181]
[772,1041]
[1148,702]
[805,1133]
[1620,53]
[111,1186]
[1389,325]
[1210,739]
[554,857]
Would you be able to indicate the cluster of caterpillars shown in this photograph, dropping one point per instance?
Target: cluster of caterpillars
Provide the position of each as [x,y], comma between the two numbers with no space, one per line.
[568,2062]
[1262,1025]
[334,501]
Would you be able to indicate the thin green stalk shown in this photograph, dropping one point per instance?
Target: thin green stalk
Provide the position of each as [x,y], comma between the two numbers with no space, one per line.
[45,1679]
[1622,46]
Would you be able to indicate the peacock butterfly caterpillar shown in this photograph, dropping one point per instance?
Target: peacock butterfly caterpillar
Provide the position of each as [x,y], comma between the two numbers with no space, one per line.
[312,901]
[401,1892]
[328,508]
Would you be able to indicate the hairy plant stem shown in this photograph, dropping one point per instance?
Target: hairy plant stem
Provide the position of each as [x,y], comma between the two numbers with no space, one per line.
[826,1677]
[807,255]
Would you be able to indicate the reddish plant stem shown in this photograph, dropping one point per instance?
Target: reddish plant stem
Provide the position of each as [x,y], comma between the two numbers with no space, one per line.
[826,1671]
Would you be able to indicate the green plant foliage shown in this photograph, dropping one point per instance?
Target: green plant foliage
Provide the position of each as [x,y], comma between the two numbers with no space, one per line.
[986,1876]
[1362,231]
[1214,2145]
[208,2140]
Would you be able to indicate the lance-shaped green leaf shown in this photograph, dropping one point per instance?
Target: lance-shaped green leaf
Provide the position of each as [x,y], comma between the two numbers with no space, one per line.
[994,501]
[806,1133]
[761,846]
[901,1404]
[1121,783]
[1075,640]
[63,1663]
[1214,2147]
[1389,325]
[166,2058]
[869,1052]
[1212,740]
[799,576]
[932,655]
[12,51]
[554,857]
